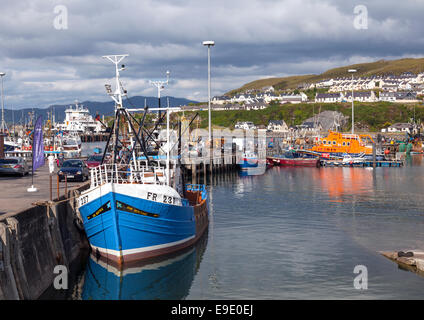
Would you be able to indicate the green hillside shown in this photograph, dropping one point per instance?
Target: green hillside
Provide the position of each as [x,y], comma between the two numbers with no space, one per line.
[368,116]
[380,67]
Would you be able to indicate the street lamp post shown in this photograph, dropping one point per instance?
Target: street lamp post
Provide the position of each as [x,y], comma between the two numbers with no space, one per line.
[353,113]
[3,124]
[209,44]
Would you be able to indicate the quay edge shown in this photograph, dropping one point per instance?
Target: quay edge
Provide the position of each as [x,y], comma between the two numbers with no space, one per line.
[34,241]
[412,260]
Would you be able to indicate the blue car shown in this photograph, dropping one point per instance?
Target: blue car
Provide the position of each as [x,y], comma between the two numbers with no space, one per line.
[73,169]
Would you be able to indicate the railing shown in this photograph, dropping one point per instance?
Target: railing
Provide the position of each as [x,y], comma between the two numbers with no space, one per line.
[197,187]
[134,173]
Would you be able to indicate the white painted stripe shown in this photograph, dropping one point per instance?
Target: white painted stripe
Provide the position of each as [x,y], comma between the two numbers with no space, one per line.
[138,250]
[153,266]
[143,191]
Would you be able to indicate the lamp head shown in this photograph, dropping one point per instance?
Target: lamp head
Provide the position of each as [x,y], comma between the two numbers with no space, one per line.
[209,43]
[2,74]
[351,70]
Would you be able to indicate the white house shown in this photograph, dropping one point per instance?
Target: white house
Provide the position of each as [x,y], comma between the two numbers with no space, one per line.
[278,126]
[245,125]
[329,97]
[364,96]
[400,96]
[268,89]
[399,127]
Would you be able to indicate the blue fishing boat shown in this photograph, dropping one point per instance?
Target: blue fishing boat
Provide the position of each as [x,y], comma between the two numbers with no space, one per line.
[249,160]
[132,209]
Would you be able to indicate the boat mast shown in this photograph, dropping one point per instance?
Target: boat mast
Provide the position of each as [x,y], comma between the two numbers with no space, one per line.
[117,97]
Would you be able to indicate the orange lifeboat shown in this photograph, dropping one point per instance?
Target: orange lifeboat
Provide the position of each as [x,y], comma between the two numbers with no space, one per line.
[339,143]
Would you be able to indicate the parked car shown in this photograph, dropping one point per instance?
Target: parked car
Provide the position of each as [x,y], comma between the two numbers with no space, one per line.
[14,165]
[94,161]
[73,169]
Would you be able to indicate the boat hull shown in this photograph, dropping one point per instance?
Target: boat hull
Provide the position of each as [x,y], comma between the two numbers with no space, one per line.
[247,163]
[296,162]
[125,228]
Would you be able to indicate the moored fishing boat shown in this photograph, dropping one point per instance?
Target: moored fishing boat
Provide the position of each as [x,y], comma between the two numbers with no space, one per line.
[132,210]
[248,160]
[128,217]
[295,159]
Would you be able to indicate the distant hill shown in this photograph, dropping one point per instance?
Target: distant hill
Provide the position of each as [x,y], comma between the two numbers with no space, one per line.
[103,108]
[380,67]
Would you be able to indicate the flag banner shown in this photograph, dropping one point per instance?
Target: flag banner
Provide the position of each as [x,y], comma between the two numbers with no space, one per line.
[38,145]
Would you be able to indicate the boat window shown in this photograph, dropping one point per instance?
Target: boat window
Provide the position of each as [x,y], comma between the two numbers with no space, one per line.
[95,158]
[334,142]
[348,143]
[324,141]
[344,143]
[72,163]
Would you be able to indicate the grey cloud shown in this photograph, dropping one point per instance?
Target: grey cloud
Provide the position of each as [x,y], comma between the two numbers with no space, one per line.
[254,39]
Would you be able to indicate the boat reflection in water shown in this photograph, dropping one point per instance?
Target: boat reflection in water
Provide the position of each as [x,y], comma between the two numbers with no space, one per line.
[166,278]
[254,171]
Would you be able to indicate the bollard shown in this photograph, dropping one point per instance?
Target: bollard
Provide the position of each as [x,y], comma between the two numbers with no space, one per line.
[1,145]
[373,155]
[66,187]
[51,187]
[58,195]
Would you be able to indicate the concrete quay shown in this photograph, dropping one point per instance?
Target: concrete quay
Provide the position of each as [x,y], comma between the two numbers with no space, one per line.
[13,190]
[36,235]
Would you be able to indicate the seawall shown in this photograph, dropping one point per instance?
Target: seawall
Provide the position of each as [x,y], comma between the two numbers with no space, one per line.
[34,241]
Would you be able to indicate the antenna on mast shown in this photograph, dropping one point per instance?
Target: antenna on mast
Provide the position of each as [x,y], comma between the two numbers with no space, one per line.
[119,91]
[160,85]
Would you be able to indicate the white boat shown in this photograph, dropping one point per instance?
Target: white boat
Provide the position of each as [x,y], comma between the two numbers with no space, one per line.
[79,120]
[71,146]
[10,145]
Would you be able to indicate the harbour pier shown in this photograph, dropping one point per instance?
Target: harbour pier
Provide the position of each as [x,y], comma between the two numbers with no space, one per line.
[37,235]
[203,168]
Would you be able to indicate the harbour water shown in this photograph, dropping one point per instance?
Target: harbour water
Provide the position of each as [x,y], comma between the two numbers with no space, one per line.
[292,233]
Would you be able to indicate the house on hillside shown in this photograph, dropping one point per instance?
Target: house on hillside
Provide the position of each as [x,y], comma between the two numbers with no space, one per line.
[255,106]
[311,126]
[245,125]
[277,126]
[399,127]
[400,96]
[268,89]
[364,96]
[389,87]
[329,120]
[329,97]
[220,99]
[295,98]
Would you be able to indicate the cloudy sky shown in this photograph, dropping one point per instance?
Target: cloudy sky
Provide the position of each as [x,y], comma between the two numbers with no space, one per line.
[254,39]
